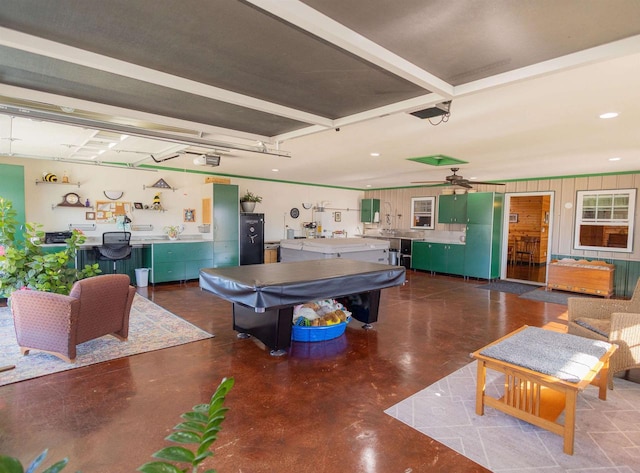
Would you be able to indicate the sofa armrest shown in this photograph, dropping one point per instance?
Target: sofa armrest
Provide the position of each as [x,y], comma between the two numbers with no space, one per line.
[594,308]
[625,325]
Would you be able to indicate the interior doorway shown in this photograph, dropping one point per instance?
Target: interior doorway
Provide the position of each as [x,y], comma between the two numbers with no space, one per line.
[527,240]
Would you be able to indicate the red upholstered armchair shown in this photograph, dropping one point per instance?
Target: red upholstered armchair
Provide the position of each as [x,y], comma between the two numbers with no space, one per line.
[55,323]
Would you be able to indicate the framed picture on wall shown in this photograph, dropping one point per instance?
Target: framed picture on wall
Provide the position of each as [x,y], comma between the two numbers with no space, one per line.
[513,218]
[137,205]
[189,215]
[90,216]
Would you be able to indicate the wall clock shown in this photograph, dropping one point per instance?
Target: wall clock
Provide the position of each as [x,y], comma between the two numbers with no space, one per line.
[295,213]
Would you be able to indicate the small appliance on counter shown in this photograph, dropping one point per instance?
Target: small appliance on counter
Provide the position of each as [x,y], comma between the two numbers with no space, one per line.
[51,238]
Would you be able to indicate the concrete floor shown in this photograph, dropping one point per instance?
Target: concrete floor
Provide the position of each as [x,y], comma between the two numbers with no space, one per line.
[318,409]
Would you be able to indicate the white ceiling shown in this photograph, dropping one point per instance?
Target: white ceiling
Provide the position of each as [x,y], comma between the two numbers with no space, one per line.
[322,89]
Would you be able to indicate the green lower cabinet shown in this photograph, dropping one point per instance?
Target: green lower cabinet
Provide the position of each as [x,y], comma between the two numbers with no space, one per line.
[478,258]
[225,253]
[420,255]
[438,257]
[179,261]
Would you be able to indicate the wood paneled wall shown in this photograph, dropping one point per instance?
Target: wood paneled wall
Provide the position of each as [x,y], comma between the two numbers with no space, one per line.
[396,203]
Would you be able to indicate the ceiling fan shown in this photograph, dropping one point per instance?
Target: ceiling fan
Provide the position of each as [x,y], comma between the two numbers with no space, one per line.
[456,180]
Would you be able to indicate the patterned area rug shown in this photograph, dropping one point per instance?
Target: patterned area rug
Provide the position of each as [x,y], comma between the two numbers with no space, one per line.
[607,432]
[150,328]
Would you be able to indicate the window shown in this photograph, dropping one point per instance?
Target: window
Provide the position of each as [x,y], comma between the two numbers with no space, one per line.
[604,220]
[422,212]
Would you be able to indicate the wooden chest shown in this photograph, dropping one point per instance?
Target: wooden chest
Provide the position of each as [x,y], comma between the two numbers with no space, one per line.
[587,277]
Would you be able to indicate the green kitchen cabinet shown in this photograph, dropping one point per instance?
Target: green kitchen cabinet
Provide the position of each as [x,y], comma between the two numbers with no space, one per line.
[481,207]
[438,257]
[368,209]
[452,208]
[180,261]
[223,207]
[483,235]
[420,255]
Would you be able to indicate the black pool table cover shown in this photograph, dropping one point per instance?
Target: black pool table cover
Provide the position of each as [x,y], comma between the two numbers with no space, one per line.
[268,286]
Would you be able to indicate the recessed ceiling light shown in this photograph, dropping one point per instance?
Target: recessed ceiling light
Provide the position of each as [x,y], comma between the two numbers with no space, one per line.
[609,115]
[275,170]
[615,159]
[368,185]
[375,155]
[472,178]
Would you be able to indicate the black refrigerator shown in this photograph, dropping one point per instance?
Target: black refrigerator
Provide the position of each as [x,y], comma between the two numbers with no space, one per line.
[251,238]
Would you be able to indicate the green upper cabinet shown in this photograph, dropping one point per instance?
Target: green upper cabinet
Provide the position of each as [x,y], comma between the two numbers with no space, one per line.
[226,212]
[480,207]
[368,209]
[452,208]
[483,236]
[12,188]
[221,209]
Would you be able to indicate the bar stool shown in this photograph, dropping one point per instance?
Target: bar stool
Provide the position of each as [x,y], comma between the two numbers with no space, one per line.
[116,246]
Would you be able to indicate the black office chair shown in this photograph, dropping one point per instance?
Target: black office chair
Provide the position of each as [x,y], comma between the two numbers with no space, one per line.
[116,246]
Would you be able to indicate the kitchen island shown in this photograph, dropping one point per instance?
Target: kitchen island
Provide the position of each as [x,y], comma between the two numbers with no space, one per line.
[263,296]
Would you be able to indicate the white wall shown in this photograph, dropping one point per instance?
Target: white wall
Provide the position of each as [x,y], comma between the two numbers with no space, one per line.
[278,199]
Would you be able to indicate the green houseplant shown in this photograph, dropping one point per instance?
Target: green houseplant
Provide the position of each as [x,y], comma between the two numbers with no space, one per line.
[200,427]
[25,265]
[249,200]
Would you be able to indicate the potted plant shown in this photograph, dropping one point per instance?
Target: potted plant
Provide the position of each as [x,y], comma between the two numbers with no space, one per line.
[25,265]
[249,200]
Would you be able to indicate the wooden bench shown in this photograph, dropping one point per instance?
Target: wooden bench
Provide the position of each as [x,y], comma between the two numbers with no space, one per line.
[587,277]
[536,397]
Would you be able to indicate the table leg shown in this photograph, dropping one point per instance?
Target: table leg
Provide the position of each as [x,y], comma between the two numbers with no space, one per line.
[569,420]
[603,381]
[480,387]
[272,327]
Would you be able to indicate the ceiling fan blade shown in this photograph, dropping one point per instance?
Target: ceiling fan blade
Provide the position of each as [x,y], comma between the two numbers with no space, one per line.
[488,183]
[462,184]
[429,182]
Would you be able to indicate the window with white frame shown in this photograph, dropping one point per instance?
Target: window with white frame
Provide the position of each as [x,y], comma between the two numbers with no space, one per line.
[604,220]
[422,212]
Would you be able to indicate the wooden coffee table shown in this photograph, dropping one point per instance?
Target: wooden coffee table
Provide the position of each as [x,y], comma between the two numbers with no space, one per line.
[534,396]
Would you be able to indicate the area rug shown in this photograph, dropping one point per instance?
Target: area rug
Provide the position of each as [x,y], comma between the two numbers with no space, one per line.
[150,328]
[556,297]
[507,286]
[607,432]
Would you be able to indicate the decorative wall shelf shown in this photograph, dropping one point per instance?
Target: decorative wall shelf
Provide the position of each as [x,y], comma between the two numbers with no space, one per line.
[142,228]
[77,184]
[66,206]
[154,187]
[82,226]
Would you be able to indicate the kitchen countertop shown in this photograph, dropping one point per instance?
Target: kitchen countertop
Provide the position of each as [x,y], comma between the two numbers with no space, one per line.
[135,242]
